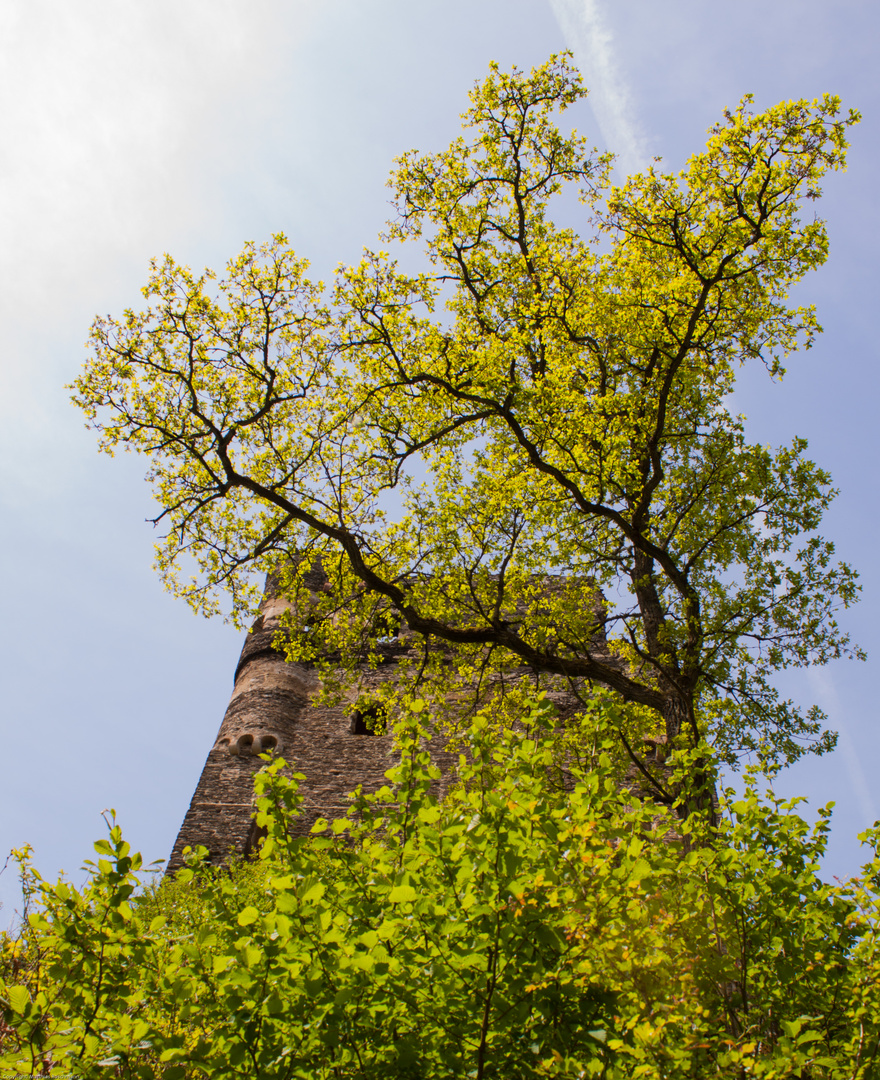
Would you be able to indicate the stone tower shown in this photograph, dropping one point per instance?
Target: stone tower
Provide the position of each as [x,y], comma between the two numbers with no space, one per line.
[271,708]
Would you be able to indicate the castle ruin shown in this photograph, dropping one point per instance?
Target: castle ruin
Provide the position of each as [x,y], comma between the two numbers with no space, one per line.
[276,707]
[273,708]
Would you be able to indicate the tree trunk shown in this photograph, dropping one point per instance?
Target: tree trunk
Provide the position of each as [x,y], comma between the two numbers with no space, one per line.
[696,792]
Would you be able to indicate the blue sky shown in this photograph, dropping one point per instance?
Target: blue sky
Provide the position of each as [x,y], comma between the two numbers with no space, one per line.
[190,126]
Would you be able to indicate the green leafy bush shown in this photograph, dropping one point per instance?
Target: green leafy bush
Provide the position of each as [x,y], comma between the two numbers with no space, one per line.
[519,928]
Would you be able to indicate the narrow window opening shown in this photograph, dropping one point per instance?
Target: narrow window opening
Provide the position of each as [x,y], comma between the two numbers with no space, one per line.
[368,720]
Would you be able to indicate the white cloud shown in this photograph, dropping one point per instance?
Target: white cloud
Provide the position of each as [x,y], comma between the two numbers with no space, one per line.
[111,108]
[126,129]
[588,36]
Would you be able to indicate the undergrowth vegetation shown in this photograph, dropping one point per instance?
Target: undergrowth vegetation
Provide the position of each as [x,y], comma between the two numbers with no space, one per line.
[518,928]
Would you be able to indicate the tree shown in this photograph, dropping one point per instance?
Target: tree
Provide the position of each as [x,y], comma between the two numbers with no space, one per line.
[524,454]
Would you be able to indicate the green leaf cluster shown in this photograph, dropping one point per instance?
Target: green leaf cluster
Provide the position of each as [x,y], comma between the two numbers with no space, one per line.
[519,928]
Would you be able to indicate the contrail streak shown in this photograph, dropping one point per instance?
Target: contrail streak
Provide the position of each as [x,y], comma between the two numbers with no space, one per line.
[589,38]
[824,690]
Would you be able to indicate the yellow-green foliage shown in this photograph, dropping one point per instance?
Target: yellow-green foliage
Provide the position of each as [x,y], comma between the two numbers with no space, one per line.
[512,931]
[548,409]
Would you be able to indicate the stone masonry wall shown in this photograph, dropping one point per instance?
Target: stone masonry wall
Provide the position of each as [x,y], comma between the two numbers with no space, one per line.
[272,709]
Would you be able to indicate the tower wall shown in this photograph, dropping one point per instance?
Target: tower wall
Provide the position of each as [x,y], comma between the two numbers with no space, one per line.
[272,708]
